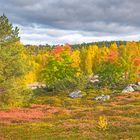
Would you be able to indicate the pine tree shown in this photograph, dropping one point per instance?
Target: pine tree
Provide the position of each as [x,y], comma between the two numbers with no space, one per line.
[13,66]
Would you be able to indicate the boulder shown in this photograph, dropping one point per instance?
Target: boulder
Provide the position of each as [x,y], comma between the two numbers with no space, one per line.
[128,89]
[102,98]
[76,94]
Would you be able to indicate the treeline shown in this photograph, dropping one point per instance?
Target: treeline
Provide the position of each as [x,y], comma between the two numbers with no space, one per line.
[100,44]
[62,67]
[78,46]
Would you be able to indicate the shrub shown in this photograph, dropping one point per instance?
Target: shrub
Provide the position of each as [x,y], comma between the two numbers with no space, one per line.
[111,76]
[15,95]
[103,124]
[71,84]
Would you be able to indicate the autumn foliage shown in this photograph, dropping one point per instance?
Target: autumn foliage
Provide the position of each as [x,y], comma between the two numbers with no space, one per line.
[63,62]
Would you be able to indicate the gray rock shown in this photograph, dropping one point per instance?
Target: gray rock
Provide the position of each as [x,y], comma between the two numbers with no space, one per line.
[128,89]
[36,85]
[94,81]
[33,88]
[76,94]
[102,98]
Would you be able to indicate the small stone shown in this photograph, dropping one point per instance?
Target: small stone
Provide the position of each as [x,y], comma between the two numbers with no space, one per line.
[102,98]
[33,88]
[76,94]
[36,85]
[94,81]
[128,89]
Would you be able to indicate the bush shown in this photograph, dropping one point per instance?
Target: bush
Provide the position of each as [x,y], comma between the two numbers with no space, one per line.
[111,76]
[71,84]
[15,95]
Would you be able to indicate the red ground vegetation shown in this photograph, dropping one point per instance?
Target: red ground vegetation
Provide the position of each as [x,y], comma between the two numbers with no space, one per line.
[29,114]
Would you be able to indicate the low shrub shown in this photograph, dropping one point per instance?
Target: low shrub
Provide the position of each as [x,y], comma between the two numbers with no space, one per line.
[71,84]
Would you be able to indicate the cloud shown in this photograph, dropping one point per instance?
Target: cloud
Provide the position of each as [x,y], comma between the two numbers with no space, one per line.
[60,21]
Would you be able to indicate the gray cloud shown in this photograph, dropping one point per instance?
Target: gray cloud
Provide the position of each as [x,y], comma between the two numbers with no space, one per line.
[60,19]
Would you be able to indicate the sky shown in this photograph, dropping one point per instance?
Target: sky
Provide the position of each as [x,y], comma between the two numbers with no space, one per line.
[73,21]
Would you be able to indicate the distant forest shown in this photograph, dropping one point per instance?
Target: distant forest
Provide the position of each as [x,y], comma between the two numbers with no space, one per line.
[99,44]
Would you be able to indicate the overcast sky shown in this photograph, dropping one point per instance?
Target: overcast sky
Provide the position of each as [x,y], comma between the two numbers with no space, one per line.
[73,21]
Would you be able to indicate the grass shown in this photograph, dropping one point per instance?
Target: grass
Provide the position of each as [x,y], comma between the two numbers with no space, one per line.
[74,119]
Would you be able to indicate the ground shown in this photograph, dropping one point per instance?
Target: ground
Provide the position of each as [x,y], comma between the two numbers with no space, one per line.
[74,119]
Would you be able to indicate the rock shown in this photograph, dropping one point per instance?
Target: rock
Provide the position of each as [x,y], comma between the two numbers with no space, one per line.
[76,94]
[128,89]
[138,83]
[102,98]
[94,81]
[36,85]
[33,88]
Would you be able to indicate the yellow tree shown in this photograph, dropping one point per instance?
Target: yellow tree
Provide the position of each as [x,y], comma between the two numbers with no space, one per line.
[76,61]
[89,61]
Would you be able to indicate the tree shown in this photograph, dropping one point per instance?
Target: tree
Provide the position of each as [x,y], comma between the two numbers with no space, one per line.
[13,66]
[59,66]
[8,34]
[90,59]
[76,61]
